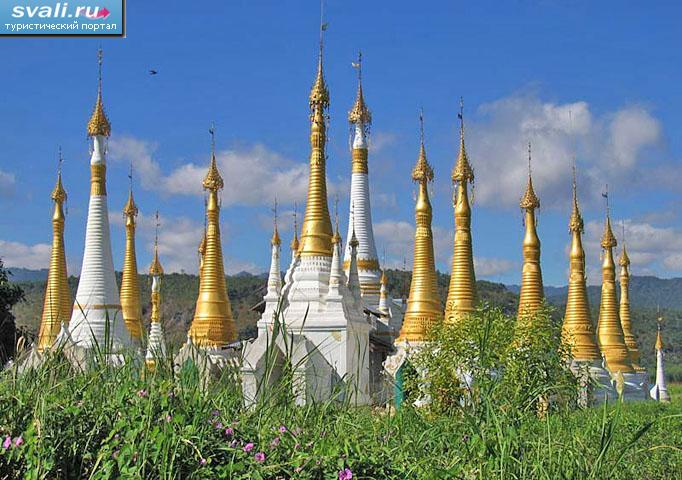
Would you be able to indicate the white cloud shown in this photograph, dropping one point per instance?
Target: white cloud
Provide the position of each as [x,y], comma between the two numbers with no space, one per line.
[179,239]
[253,176]
[652,249]
[7,184]
[20,255]
[608,148]
[491,267]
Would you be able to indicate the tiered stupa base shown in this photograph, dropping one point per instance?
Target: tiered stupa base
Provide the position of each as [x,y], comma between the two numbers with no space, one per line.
[325,336]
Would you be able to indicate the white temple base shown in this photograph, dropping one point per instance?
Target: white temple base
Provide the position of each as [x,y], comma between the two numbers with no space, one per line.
[212,363]
[325,331]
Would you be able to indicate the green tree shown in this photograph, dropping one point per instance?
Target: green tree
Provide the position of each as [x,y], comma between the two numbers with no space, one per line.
[10,294]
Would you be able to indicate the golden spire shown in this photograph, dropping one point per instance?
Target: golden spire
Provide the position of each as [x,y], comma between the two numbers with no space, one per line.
[423,305]
[294,242]
[316,234]
[532,293]
[98,123]
[609,330]
[625,321]
[577,329]
[213,325]
[359,114]
[155,268]
[336,239]
[659,340]
[462,291]
[275,233]
[57,306]
[130,287]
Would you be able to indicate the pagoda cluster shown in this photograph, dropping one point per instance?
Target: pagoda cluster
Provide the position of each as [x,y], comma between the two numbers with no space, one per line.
[332,309]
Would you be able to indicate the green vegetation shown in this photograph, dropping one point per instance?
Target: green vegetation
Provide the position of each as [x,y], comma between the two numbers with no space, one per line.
[128,422]
[10,295]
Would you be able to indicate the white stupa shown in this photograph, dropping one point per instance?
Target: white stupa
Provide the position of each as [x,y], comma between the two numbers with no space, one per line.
[97,320]
[659,391]
[325,329]
[156,343]
[389,314]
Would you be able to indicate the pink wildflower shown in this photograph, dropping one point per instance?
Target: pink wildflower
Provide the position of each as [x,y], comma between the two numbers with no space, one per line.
[248,447]
[275,442]
[229,431]
[142,393]
[259,457]
[345,474]
[7,443]
[202,462]
[18,441]
[282,429]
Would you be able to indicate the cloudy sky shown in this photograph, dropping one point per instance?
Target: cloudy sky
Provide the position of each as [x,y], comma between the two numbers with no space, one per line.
[598,80]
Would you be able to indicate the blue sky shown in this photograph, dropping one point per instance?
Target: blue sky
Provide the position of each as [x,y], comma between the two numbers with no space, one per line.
[520,66]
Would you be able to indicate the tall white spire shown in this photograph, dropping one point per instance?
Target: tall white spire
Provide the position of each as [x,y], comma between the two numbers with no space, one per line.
[274,292]
[659,391]
[97,318]
[156,344]
[369,272]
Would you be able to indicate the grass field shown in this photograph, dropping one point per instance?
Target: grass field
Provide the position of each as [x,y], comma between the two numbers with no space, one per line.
[125,423]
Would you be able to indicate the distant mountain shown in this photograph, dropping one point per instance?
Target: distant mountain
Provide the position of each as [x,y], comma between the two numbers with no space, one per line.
[27,275]
[179,294]
[645,291]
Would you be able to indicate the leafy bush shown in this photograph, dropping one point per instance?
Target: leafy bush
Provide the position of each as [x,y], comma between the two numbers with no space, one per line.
[490,358]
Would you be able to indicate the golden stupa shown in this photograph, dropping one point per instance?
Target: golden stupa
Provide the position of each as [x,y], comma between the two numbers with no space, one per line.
[316,233]
[213,325]
[532,292]
[130,285]
[461,297]
[423,305]
[57,306]
[609,331]
[577,330]
[625,321]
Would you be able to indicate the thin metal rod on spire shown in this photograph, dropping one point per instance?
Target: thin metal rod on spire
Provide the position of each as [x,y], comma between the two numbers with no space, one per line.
[358,66]
[211,131]
[529,155]
[156,227]
[460,115]
[323,27]
[130,175]
[100,56]
[421,125]
[60,160]
[605,194]
[274,213]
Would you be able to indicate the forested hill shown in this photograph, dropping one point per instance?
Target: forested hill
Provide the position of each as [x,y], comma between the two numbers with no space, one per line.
[179,294]
[646,291]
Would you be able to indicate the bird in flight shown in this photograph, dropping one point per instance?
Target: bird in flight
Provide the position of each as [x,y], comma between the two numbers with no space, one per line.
[153,72]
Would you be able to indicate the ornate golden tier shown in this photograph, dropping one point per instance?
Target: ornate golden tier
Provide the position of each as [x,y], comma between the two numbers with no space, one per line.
[577,329]
[130,286]
[609,330]
[423,305]
[57,306]
[461,297]
[213,325]
[316,233]
[625,321]
[532,292]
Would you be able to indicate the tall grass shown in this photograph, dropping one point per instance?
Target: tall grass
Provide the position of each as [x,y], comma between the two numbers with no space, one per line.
[129,422]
